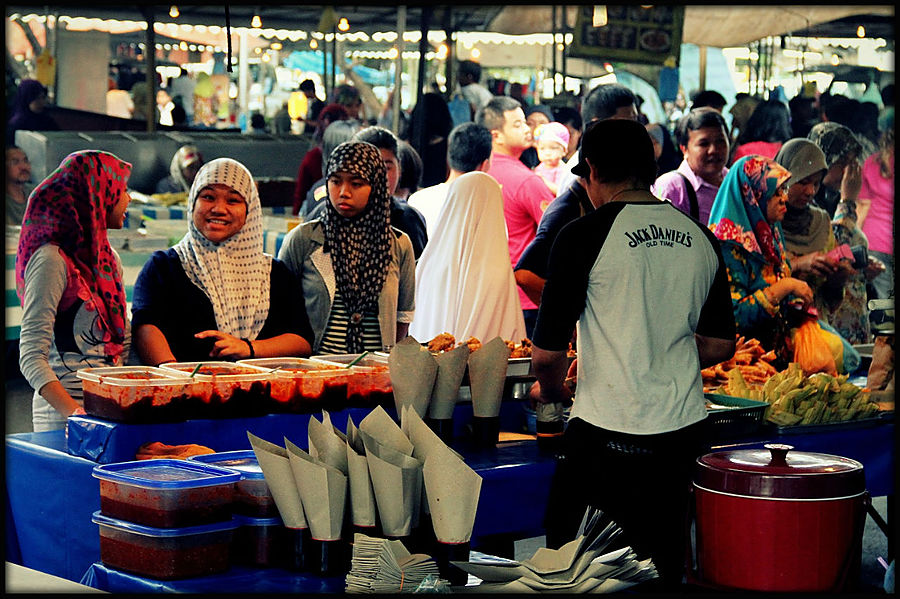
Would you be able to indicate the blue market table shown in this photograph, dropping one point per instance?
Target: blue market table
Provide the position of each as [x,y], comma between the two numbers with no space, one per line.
[51,493]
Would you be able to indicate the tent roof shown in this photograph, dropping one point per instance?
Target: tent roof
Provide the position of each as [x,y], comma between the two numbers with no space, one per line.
[709,25]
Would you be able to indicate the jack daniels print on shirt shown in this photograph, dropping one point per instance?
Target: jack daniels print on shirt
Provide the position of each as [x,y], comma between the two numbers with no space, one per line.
[651,236]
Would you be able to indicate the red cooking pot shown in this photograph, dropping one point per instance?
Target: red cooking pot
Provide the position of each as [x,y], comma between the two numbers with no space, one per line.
[778,520]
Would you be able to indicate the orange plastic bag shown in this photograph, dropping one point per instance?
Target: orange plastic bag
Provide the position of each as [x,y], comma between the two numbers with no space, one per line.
[811,350]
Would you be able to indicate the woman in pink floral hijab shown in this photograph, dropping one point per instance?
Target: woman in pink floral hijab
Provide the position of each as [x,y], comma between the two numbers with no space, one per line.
[69,280]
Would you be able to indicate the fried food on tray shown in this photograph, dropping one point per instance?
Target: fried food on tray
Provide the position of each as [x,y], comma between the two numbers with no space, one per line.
[443,342]
[473,343]
[155,449]
[519,350]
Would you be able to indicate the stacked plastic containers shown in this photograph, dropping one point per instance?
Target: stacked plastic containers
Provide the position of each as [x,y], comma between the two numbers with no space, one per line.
[166,519]
[260,538]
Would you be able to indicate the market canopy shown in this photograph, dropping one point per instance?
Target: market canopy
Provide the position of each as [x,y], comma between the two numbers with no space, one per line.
[707,25]
[716,26]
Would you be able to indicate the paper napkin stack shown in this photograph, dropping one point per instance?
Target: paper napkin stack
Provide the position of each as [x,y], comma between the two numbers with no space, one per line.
[385,566]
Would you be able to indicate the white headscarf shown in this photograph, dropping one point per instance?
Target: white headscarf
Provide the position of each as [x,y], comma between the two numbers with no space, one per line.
[464,282]
[234,274]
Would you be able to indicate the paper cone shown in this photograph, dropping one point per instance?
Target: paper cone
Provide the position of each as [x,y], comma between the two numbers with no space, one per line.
[413,371]
[487,376]
[383,429]
[452,489]
[326,444]
[362,495]
[322,488]
[451,368]
[397,480]
[423,439]
[275,464]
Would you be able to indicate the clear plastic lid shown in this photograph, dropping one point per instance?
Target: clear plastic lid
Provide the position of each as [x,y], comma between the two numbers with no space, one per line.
[370,360]
[152,531]
[291,366]
[132,376]
[166,474]
[244,461]
[218,370]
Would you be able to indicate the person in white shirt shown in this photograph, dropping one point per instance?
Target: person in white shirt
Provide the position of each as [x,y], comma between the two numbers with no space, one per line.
[469,149]
[468,76]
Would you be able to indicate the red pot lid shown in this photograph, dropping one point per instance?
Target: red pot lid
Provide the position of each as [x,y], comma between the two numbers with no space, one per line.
[779,472]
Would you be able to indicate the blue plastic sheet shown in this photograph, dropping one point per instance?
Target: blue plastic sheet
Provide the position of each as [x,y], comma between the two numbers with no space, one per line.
[235,580]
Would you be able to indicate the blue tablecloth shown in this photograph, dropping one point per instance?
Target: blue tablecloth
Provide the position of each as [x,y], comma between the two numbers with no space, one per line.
[235,580]
[51,494]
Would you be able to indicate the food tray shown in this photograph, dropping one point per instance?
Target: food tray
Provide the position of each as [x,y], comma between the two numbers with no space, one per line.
[225,389]
[301,385]
[165,553]
[141,394]
[166,493]
[252,496]
[744,419]
[369,384]
[804,429]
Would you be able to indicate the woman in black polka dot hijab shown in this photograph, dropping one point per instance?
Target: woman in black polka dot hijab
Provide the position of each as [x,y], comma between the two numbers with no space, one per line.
[360,243]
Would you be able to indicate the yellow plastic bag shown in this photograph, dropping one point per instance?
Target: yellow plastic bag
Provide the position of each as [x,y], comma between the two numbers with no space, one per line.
[811,349]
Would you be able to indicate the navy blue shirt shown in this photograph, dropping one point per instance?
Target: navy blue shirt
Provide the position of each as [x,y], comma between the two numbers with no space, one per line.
[571,204]
[164,296]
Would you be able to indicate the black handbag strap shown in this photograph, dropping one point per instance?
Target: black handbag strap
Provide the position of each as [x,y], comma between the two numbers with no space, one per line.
[692,197]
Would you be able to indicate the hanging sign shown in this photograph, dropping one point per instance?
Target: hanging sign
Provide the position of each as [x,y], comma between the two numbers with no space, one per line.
[635,34]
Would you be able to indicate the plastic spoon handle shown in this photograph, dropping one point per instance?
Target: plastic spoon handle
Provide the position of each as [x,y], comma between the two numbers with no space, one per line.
[357,359]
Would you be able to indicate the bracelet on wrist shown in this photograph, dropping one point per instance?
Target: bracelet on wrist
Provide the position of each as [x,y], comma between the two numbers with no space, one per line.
[250,345]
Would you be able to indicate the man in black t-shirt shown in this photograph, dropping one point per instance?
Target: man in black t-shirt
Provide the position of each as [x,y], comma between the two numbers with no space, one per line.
[648,289]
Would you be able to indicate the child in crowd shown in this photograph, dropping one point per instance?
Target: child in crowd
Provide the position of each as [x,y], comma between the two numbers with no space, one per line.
[551,140]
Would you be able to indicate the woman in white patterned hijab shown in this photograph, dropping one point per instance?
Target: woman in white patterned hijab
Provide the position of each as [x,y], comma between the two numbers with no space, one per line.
[222,256]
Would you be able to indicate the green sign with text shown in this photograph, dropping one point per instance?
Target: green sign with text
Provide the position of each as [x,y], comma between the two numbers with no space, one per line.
[639,34]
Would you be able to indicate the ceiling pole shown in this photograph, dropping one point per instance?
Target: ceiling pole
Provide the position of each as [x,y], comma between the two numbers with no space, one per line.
[398,74]
[702,83]
[244,76]
[419,125]
[150,57]
[564,27]
[333,56]
[451,51]
[553,47]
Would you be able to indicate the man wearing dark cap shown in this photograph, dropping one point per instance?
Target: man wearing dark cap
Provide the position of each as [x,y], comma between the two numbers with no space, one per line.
[648,289]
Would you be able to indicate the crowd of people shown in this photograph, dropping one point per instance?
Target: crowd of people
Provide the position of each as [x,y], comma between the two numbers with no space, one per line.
[490,217]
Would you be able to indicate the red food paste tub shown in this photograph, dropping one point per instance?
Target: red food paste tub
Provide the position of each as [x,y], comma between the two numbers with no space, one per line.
[777,520]
[141,394]
[165,553]
[166,493]
[252,496]
[260,542]
[301,385]
[370,380]
[225,389]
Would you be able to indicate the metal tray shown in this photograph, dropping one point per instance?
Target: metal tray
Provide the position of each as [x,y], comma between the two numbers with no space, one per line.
[805,429]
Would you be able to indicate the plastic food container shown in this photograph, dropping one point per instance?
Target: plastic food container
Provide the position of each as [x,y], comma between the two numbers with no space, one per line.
[166,493]
[301,385]
[135,393]
[251,493]
[225,389]
[370,380]
[165,553]
[259,541]
[778,520]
